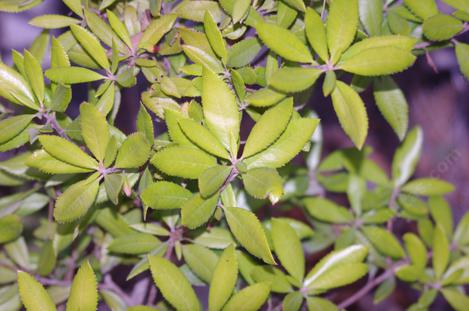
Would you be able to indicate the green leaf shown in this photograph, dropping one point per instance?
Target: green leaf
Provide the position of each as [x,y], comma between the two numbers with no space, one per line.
[330,81]
[341,26]
[442,213]
[224,279]
[263,182]
[384,290]
[441,251]
[462,55]
[113,184]
[287,246]
[417,251]
[243,52]
[10,228]
[145,124]
[269,127]
[264,97]
[183,161]
[220,110]
[173,285]
[338,276]
[72,75]
[214,36]
[53,21]
[371,15]
[292,301]
[212,180]
[91,45]
[48,164]
[134,151]
[316,33]
[428,187]
[66,151]
[351,112]
[197,210]
[404,43]
[202,137]
[84,290]
[74,202]
[287,146]
[249,298]
[59,57]
[249,232]
[15,89]
[155,31]
[457,299]
[316,303]
[47,259]
[462,5]
[441,27]
[119,28]
[94,129]
[13,126]
[201,260]
[32,293]
[33,70]
[384,241]
[284,43]
[348,257]
[199,56]
[172,118]
[422,8]
[134,244]
[327,211]
[392,104]
[240,8]
[378,61]
[195,10]
[103,31]
[165,195]
[407,156]
[294,79]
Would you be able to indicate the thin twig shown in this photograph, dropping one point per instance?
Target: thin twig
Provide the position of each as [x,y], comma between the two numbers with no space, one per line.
[370,285]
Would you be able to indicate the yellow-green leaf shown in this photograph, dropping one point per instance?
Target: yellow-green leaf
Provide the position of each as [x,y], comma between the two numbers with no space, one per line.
[249,232]
[392,104]
[155,31]
[422,8]
[165,195]
[214,36]
[134,151]
[134,244]
[287,246]
[263,182]
[341,26]
[212,179]
[33,295]
[53,21]
[46,163]
[197,210]
[406,157]
[249,298]
[287,146]
[33,70]
[91,45]
[94,129]
[220,110]
[119,28]
[294,79]
[173,284]
[284,43]
[199,56]
[202,137]
[428,187]
[10,228]
[224,279]
[441,251]
[74,202]
[269,127]
[66,151]
[201,260]
[384,241]
[13,126]
[72,75]
[84,290]
[15,89]
[441,27]
[316,33]
[351,112]
[462,54]
[183,161]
